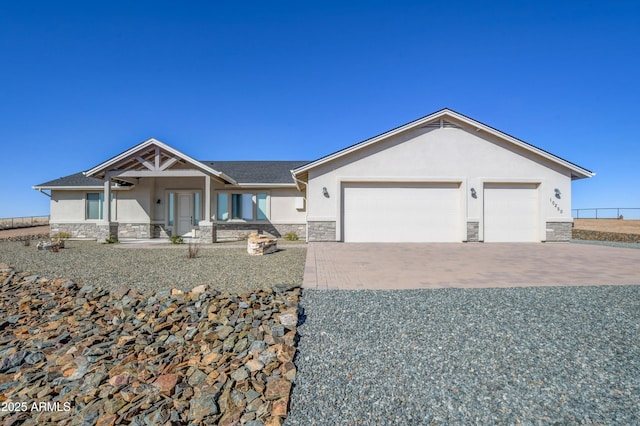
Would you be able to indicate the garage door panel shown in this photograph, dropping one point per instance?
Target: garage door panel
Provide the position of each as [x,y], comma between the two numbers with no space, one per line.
[511,213]
[401,212]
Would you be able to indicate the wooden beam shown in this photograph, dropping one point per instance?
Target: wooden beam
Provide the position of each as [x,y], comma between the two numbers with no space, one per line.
[145,163]
[170,162]
[157,158]
[159,173]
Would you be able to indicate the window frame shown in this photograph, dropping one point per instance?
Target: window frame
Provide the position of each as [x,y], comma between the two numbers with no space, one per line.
[88,201]
[236,202]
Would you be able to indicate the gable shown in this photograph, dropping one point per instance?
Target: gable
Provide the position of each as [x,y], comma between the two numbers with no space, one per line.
[442,120]
[152,158]
[442,152]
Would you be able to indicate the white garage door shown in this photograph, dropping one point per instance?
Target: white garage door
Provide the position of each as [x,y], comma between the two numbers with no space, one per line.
[396,212]
[511,213]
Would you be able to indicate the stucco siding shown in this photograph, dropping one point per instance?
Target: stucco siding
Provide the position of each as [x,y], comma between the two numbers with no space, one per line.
[444,154]
[67,206]
[283,206]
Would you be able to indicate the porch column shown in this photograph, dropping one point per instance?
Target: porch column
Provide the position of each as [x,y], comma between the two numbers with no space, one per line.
[105,228]
[207,198]
[106,214]
[207,228]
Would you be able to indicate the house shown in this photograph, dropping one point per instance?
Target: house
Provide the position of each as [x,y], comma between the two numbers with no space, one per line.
[442,178]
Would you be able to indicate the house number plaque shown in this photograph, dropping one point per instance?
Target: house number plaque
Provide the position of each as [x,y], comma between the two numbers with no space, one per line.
[554,204]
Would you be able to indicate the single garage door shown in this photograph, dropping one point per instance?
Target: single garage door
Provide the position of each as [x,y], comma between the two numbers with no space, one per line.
[399,212]
[511,213]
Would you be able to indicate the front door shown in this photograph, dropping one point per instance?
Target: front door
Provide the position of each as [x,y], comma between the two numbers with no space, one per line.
[184,214]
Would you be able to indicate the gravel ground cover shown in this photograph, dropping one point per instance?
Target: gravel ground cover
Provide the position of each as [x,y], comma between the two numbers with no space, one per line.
[608,243]
[545,355]
[112,267]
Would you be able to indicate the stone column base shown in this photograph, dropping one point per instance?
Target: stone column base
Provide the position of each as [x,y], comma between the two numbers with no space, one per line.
[473,232]
[322,230]
[207,232]
[105,230]
[559,231]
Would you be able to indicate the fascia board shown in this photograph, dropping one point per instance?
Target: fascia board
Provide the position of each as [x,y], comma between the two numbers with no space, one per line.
[262,185]
[515,141]
[82,188]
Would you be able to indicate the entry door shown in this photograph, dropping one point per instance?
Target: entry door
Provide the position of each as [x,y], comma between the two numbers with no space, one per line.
[184,214]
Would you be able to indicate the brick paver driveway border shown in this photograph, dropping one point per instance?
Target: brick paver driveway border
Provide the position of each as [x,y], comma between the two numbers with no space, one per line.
[352,266]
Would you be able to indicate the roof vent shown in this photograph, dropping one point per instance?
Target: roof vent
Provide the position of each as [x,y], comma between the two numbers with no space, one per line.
[432,125]
[440,124]
[448,124]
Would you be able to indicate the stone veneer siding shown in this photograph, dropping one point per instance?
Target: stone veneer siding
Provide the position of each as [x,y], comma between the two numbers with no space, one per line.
[559,231]
[159,231]
[242,230]
[473,232]
[322,231]
[86,230]
[134,230]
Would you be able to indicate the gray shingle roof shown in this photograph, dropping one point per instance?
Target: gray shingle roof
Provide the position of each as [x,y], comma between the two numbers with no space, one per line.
[242,171]
[257,171]
[77,179]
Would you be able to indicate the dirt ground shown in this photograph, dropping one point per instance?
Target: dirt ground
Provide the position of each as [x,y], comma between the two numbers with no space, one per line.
[608,225]
[18,232]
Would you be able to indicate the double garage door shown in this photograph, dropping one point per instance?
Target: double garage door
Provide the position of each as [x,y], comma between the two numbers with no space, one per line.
[407,212]
[401,212]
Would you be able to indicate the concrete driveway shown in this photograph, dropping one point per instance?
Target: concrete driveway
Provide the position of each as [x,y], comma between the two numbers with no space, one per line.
[353,266]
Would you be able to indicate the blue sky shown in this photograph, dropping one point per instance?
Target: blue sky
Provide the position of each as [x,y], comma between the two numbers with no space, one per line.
[83,81]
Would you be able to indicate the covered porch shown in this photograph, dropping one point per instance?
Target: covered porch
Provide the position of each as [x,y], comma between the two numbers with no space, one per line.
[155,191]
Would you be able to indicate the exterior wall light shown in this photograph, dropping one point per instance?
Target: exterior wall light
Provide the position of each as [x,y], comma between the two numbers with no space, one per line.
[558,193]
[325,192]
[474,194]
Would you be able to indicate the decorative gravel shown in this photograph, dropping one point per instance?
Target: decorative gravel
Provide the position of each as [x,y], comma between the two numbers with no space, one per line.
[608,243]
[562,355]
[225,268]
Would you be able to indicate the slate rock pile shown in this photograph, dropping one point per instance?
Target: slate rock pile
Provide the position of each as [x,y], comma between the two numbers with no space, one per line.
[583,234]
[73,354]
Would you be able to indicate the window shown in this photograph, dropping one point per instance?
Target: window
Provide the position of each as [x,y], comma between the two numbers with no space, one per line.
[95,205]
[262,206]
[223,207]
[246,206]
[171,207]
[196,208]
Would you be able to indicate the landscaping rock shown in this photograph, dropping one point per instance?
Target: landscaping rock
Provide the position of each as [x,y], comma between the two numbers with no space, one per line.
[258,245]
[125,358]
